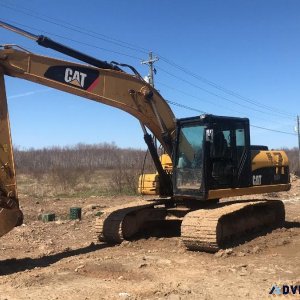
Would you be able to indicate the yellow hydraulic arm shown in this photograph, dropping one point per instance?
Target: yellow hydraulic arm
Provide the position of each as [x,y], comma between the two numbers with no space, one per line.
[110,87]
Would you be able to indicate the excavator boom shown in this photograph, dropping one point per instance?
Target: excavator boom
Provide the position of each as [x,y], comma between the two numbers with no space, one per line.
[114,88]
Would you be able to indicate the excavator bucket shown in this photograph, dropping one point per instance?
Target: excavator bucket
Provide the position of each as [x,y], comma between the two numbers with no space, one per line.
[9,218]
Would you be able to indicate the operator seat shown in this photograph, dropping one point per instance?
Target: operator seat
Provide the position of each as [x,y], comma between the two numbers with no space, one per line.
[219,148]
[221,166]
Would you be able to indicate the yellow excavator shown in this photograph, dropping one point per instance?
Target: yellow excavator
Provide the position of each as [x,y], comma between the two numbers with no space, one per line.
[207,157]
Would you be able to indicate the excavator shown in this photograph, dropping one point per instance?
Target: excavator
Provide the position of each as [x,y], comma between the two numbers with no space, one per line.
[205,158]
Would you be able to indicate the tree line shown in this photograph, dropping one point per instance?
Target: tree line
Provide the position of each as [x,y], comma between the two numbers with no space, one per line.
[293,155]
[81,156]
[69,167]
[95,157]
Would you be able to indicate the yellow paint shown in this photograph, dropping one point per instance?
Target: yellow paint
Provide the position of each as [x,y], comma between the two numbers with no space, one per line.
[223,193]
[267,159]
[166,162]
[149,184]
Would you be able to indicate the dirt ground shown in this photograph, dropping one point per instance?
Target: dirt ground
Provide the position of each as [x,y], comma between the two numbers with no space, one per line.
[57,260]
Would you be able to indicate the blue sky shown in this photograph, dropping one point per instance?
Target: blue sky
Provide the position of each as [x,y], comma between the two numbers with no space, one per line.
[249,48]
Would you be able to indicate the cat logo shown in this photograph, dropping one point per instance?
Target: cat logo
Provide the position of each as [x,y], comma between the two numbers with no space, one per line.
[75,77]
[81,77]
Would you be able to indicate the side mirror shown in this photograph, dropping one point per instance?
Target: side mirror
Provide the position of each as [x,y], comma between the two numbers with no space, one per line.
[209,135]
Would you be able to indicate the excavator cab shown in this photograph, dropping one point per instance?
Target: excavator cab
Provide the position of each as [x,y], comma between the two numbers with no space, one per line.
[213,152]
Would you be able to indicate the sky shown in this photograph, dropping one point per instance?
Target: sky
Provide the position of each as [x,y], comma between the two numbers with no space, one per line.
[234,58]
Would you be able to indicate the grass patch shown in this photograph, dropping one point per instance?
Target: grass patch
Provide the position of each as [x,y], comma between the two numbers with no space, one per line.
[60,183]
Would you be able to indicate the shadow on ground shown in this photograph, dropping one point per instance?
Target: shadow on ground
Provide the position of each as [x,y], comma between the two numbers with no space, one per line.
[253,235]
[10,266]
[292,225]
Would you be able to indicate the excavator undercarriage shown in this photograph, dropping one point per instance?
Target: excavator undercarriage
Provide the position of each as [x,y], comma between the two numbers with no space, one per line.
[208,228]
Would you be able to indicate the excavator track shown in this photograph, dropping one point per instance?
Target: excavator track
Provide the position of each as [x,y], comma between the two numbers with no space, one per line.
[122,222]
[210,229]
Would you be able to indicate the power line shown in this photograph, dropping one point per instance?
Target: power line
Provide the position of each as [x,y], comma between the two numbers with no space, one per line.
[77,28]
[209,101]
[214,94]
[255,126]
[198,98]
[185,106]
[225,90]
[76,41]
[274,130]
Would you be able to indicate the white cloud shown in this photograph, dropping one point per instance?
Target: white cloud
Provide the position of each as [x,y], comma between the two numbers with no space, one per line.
[28,94]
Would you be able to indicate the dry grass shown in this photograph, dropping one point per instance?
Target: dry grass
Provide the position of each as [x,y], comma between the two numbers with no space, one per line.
[76,184]
[80,171]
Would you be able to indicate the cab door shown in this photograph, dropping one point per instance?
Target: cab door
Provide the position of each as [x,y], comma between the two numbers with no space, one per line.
[228,156]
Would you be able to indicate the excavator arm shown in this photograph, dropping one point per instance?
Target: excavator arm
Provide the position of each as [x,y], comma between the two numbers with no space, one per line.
[10,214]
[98,81]
[110,87]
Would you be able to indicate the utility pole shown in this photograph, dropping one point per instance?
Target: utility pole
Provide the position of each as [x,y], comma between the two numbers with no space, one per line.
[150,62]
[298,132]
